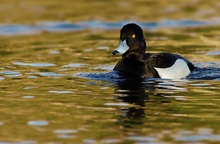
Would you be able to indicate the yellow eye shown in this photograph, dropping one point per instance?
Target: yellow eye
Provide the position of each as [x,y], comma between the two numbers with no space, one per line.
[133,36]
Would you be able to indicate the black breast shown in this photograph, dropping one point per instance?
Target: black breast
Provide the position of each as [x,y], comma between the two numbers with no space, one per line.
[139,68]
[128,65]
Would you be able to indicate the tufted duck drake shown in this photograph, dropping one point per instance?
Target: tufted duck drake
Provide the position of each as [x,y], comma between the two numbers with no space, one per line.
[135,61]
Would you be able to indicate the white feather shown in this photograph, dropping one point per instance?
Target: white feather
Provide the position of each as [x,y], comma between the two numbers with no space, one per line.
[178,70]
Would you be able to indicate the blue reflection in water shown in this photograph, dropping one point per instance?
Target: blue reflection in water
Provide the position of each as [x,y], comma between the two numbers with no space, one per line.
[34,64]
[49,74]
[131,92]
[38,27]
[38,123]
[132,96]
[10,74]
[206,73]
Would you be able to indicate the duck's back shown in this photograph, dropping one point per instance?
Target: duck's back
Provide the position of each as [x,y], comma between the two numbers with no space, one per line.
[165,60]
[168,65]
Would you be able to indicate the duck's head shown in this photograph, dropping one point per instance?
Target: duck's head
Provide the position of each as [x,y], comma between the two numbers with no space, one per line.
[131,40]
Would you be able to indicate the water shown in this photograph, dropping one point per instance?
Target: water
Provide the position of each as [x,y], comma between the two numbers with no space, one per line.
[39,27]
[57,83]
[68,93]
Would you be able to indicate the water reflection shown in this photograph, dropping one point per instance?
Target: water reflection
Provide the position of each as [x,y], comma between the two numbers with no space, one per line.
[64,26]
[38,123]
[34,64]
[143,110]
[131,91]
[206,73]
[138,93]
[10,74]
[65,133]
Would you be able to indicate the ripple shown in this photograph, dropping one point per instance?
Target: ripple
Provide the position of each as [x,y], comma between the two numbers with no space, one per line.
[103,48]
[177,97]
[54,26]
[142,138]
[89,141]
[57,26]
[171,87]
[32,77]
[34,64]
[200,85]
[30,87]
[49,74]
[61,92]
[110,76]
[206,73]
[213,53]
[110,141]
[65,131]
[207,66]
[116,104]
[21,142]
[28,97]
[17,30]
[74,65]
[38,123]
[202,134]
[1,78]
[54,52]
[11,73]
[65,136]
[28,142]
[87,49]
[104,67]
[199,137]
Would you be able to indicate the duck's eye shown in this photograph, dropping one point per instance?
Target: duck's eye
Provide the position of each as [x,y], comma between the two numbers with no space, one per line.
[133,36]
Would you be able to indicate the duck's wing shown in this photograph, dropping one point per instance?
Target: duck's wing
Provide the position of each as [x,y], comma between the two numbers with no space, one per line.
[165,60]
[190,65]
[168,65]
[160,60]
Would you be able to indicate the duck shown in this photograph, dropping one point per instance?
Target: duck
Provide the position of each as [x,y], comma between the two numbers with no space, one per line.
[135,60]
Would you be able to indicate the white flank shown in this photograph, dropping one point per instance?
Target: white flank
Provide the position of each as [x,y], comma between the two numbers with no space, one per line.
[122,47]
[178,70]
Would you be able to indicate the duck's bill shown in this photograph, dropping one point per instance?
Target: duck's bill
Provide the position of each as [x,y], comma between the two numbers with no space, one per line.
[122,48]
